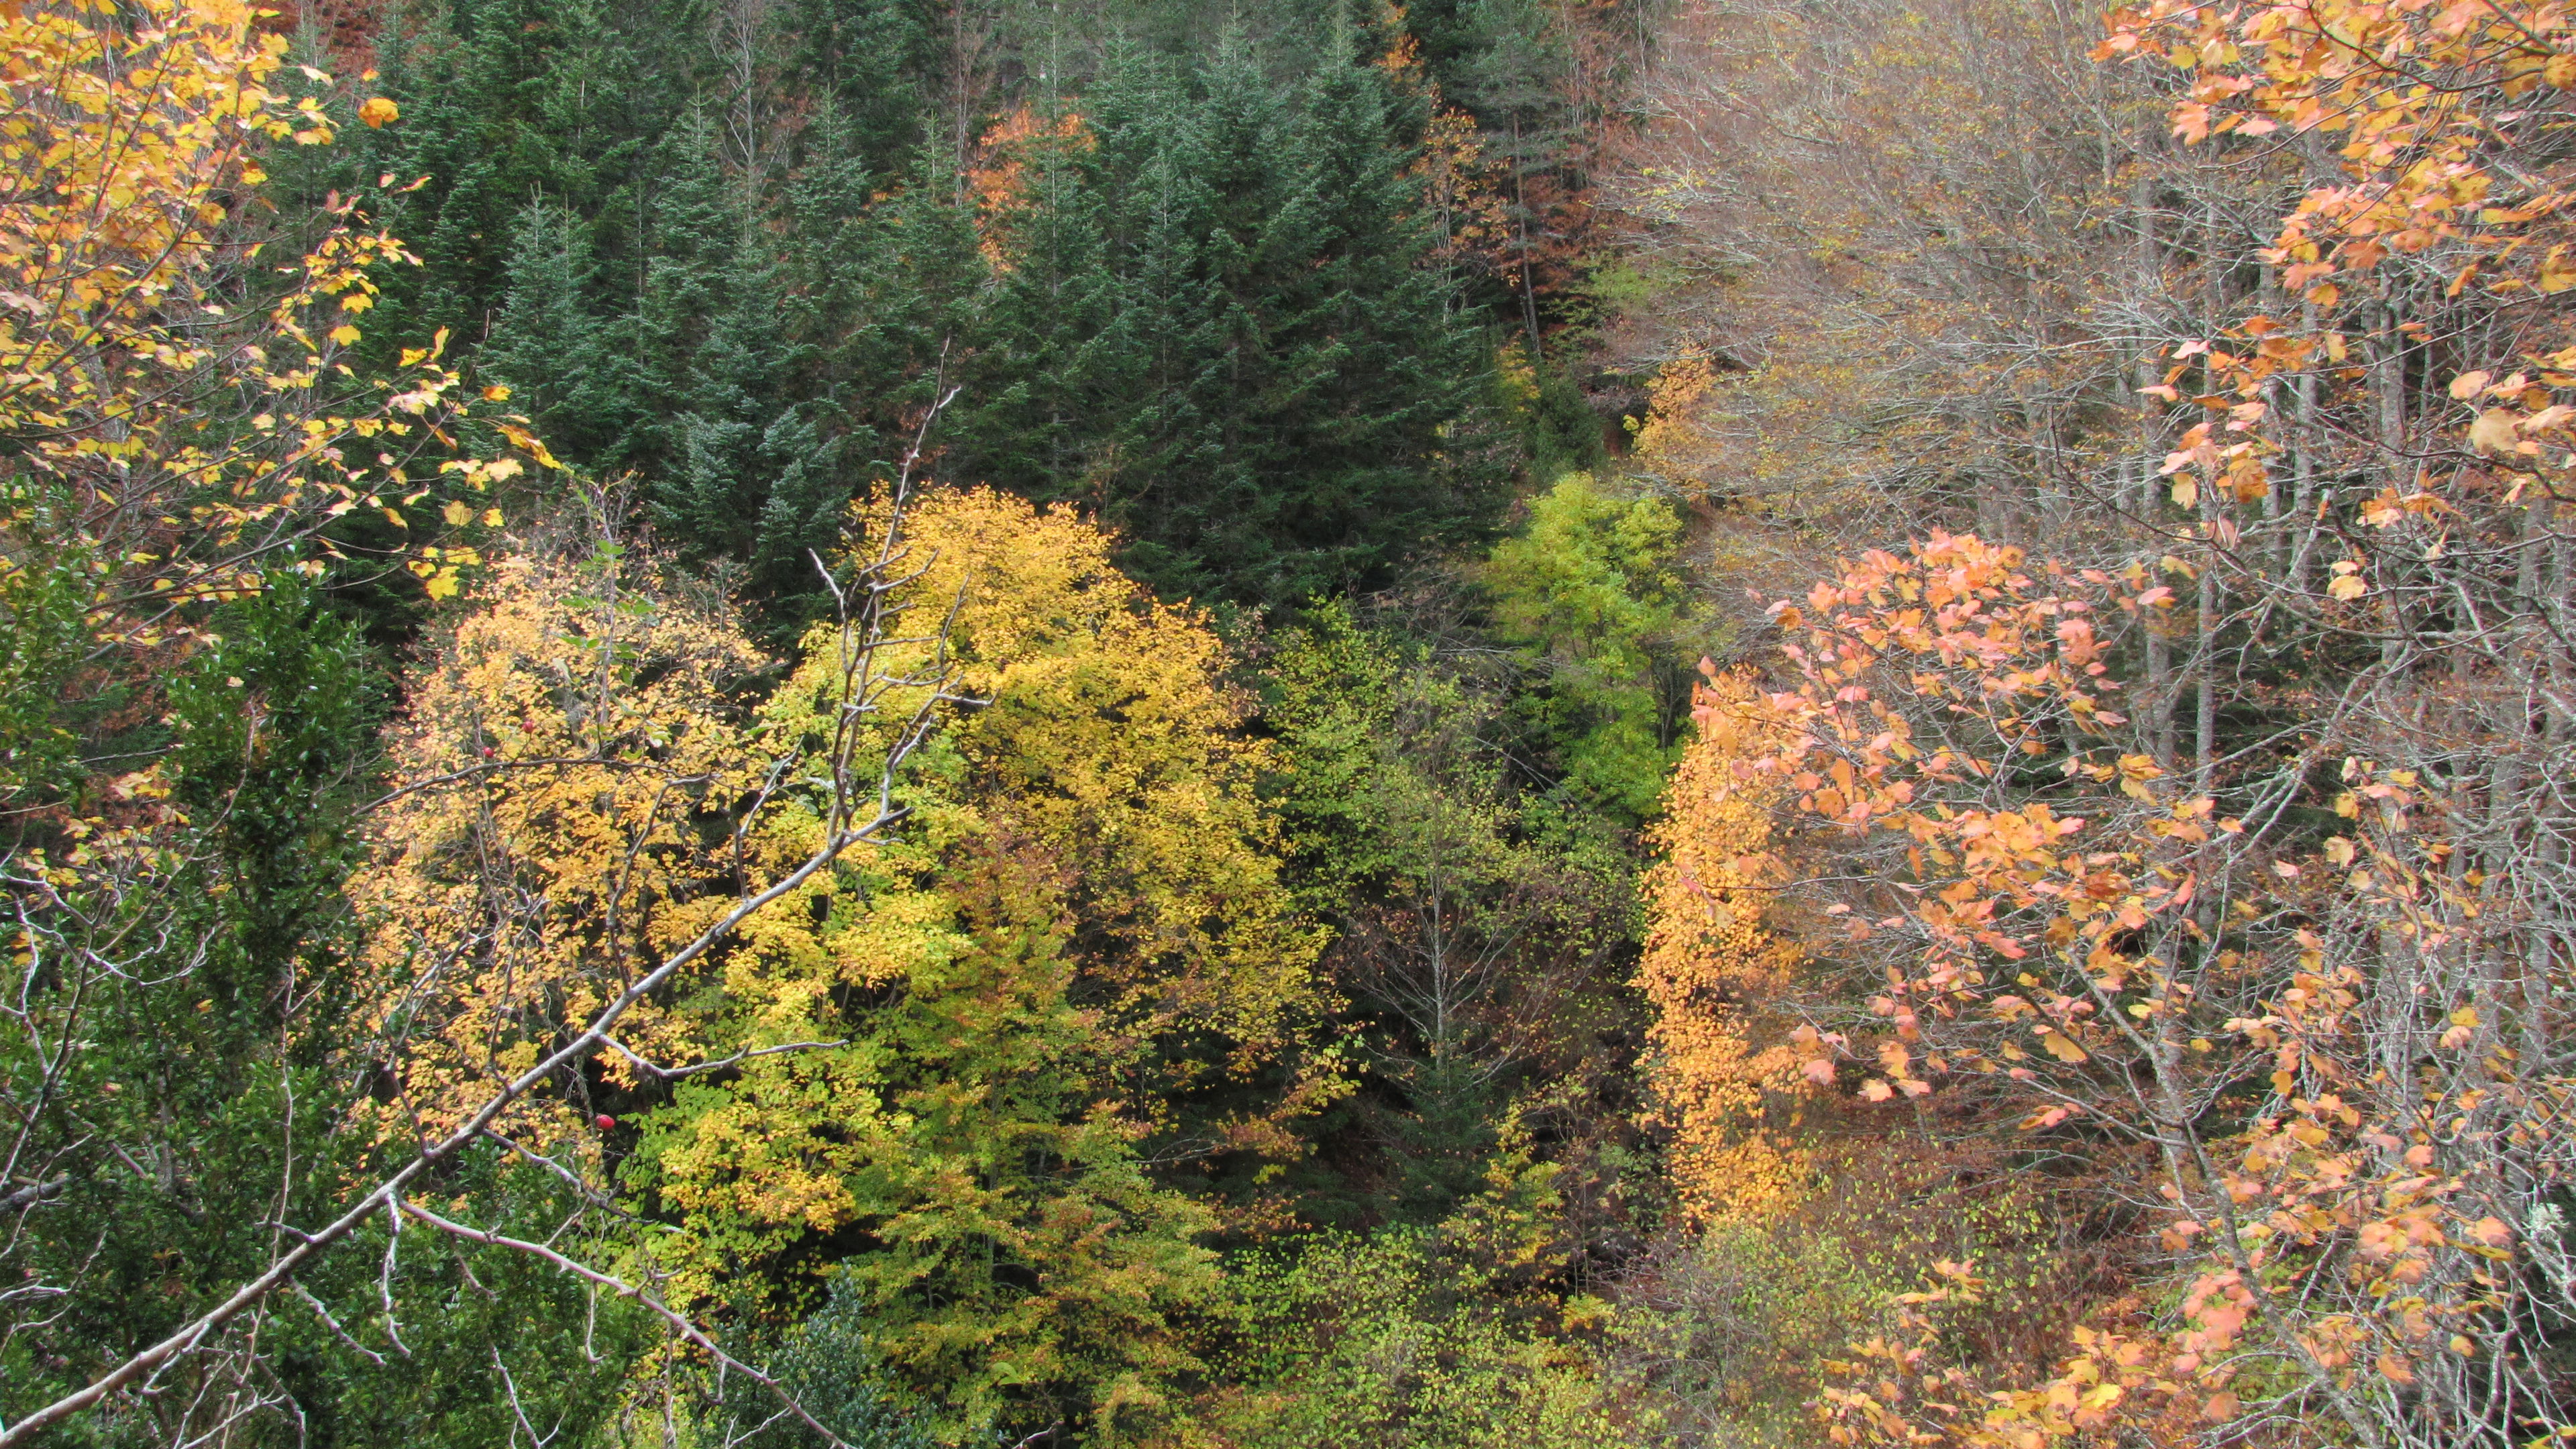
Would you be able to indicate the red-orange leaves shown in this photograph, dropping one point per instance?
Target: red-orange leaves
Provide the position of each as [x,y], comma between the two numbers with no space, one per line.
[2421,99]
[1923,682]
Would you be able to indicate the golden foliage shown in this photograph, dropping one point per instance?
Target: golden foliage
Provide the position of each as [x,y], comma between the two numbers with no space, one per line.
[1714,964]
[1112,740]
[1080,933]
[1668,445]
[577,804]
[571,768]
[119,129]
[183,436]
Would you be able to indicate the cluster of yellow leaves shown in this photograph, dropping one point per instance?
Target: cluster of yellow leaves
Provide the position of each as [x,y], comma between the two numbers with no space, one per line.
[571,771]
[179,435]
[1111,737]
[178,410]
[119,127]
[1667,444]
[1714,968]
[1105,778]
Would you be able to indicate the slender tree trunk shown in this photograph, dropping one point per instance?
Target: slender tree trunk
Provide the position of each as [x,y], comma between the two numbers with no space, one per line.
[1520,223]
[2388,396]
[2301,534]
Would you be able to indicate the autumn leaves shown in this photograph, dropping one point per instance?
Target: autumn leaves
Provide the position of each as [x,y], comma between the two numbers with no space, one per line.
[960,1040]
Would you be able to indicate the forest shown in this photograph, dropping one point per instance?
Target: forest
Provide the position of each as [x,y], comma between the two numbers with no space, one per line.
[1157,724]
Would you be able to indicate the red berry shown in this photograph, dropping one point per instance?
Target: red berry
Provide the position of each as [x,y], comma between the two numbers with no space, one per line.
[605,1121]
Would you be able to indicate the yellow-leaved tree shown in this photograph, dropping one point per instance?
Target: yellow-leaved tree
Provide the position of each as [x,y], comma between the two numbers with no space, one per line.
[573,762]
[930,1077]
[1080,954]
[181,726]
[1718,968]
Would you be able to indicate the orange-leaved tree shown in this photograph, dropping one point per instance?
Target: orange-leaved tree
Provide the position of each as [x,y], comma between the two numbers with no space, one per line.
[1717,964]
[2275,936]
[2437,112]
[2060,943]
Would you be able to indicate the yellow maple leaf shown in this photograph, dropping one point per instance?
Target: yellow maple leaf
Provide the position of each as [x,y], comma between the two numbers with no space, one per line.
[2493,431]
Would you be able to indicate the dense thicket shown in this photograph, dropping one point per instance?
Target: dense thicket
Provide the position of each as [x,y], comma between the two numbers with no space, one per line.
[1186,283]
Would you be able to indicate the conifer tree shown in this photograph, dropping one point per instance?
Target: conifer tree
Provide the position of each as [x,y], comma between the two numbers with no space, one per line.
[866,58]
[1371,360]
[737,442]
[885,300]
[505,103]
[1218,332]
[549,345]
[1034,423]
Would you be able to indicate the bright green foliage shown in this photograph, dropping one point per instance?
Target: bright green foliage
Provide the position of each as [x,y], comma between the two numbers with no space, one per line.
[1591,588]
